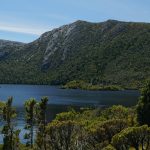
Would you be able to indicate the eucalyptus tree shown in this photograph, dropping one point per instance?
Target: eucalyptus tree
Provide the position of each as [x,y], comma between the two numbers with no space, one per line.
[30,119]
[63,135]
[113,127]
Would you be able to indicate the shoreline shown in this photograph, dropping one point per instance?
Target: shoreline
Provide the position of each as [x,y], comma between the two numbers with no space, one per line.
[98,88]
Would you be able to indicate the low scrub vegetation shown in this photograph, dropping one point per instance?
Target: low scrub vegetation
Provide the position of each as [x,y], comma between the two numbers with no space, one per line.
[79,84]
[113,128]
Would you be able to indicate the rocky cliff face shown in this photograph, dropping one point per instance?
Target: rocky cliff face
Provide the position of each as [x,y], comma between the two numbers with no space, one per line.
[69,38]
[110,52]
[59,42]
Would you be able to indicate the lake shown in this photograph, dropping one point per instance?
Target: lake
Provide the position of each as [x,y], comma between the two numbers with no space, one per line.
[61,99]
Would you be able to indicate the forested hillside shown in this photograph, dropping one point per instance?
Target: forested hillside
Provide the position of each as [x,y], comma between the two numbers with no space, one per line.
[107,53]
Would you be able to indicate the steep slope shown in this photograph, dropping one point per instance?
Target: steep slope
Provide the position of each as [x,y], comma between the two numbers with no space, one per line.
[110,52]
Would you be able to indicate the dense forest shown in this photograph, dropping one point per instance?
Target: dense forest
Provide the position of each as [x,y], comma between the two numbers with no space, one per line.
[112,128]
[106,53]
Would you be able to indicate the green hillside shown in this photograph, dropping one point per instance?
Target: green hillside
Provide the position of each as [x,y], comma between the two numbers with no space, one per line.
[107,53]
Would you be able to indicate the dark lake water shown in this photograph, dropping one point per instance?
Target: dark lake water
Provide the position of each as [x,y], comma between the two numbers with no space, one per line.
[61,99]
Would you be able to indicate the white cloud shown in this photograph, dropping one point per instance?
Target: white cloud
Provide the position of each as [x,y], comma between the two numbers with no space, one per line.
[23,29]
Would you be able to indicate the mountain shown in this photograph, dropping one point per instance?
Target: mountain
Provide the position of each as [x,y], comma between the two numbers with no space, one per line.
[8,47]
[110,52]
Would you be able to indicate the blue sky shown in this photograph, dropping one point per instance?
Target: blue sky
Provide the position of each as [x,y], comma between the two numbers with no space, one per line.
[26,20]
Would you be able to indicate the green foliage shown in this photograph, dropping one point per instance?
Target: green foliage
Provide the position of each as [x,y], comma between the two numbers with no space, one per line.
[77,84]
[108,53]
[63,135]
[30,120]
[2,104]
[109,147]
[41,123]
[116,111]
[112,128]
[120,112]
[91,129]
[11,136]
[143,107]
[99,136]
[132,137]
[70,115]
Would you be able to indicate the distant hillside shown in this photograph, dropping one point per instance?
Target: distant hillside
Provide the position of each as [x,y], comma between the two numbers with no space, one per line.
[110,52]
[8,47]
